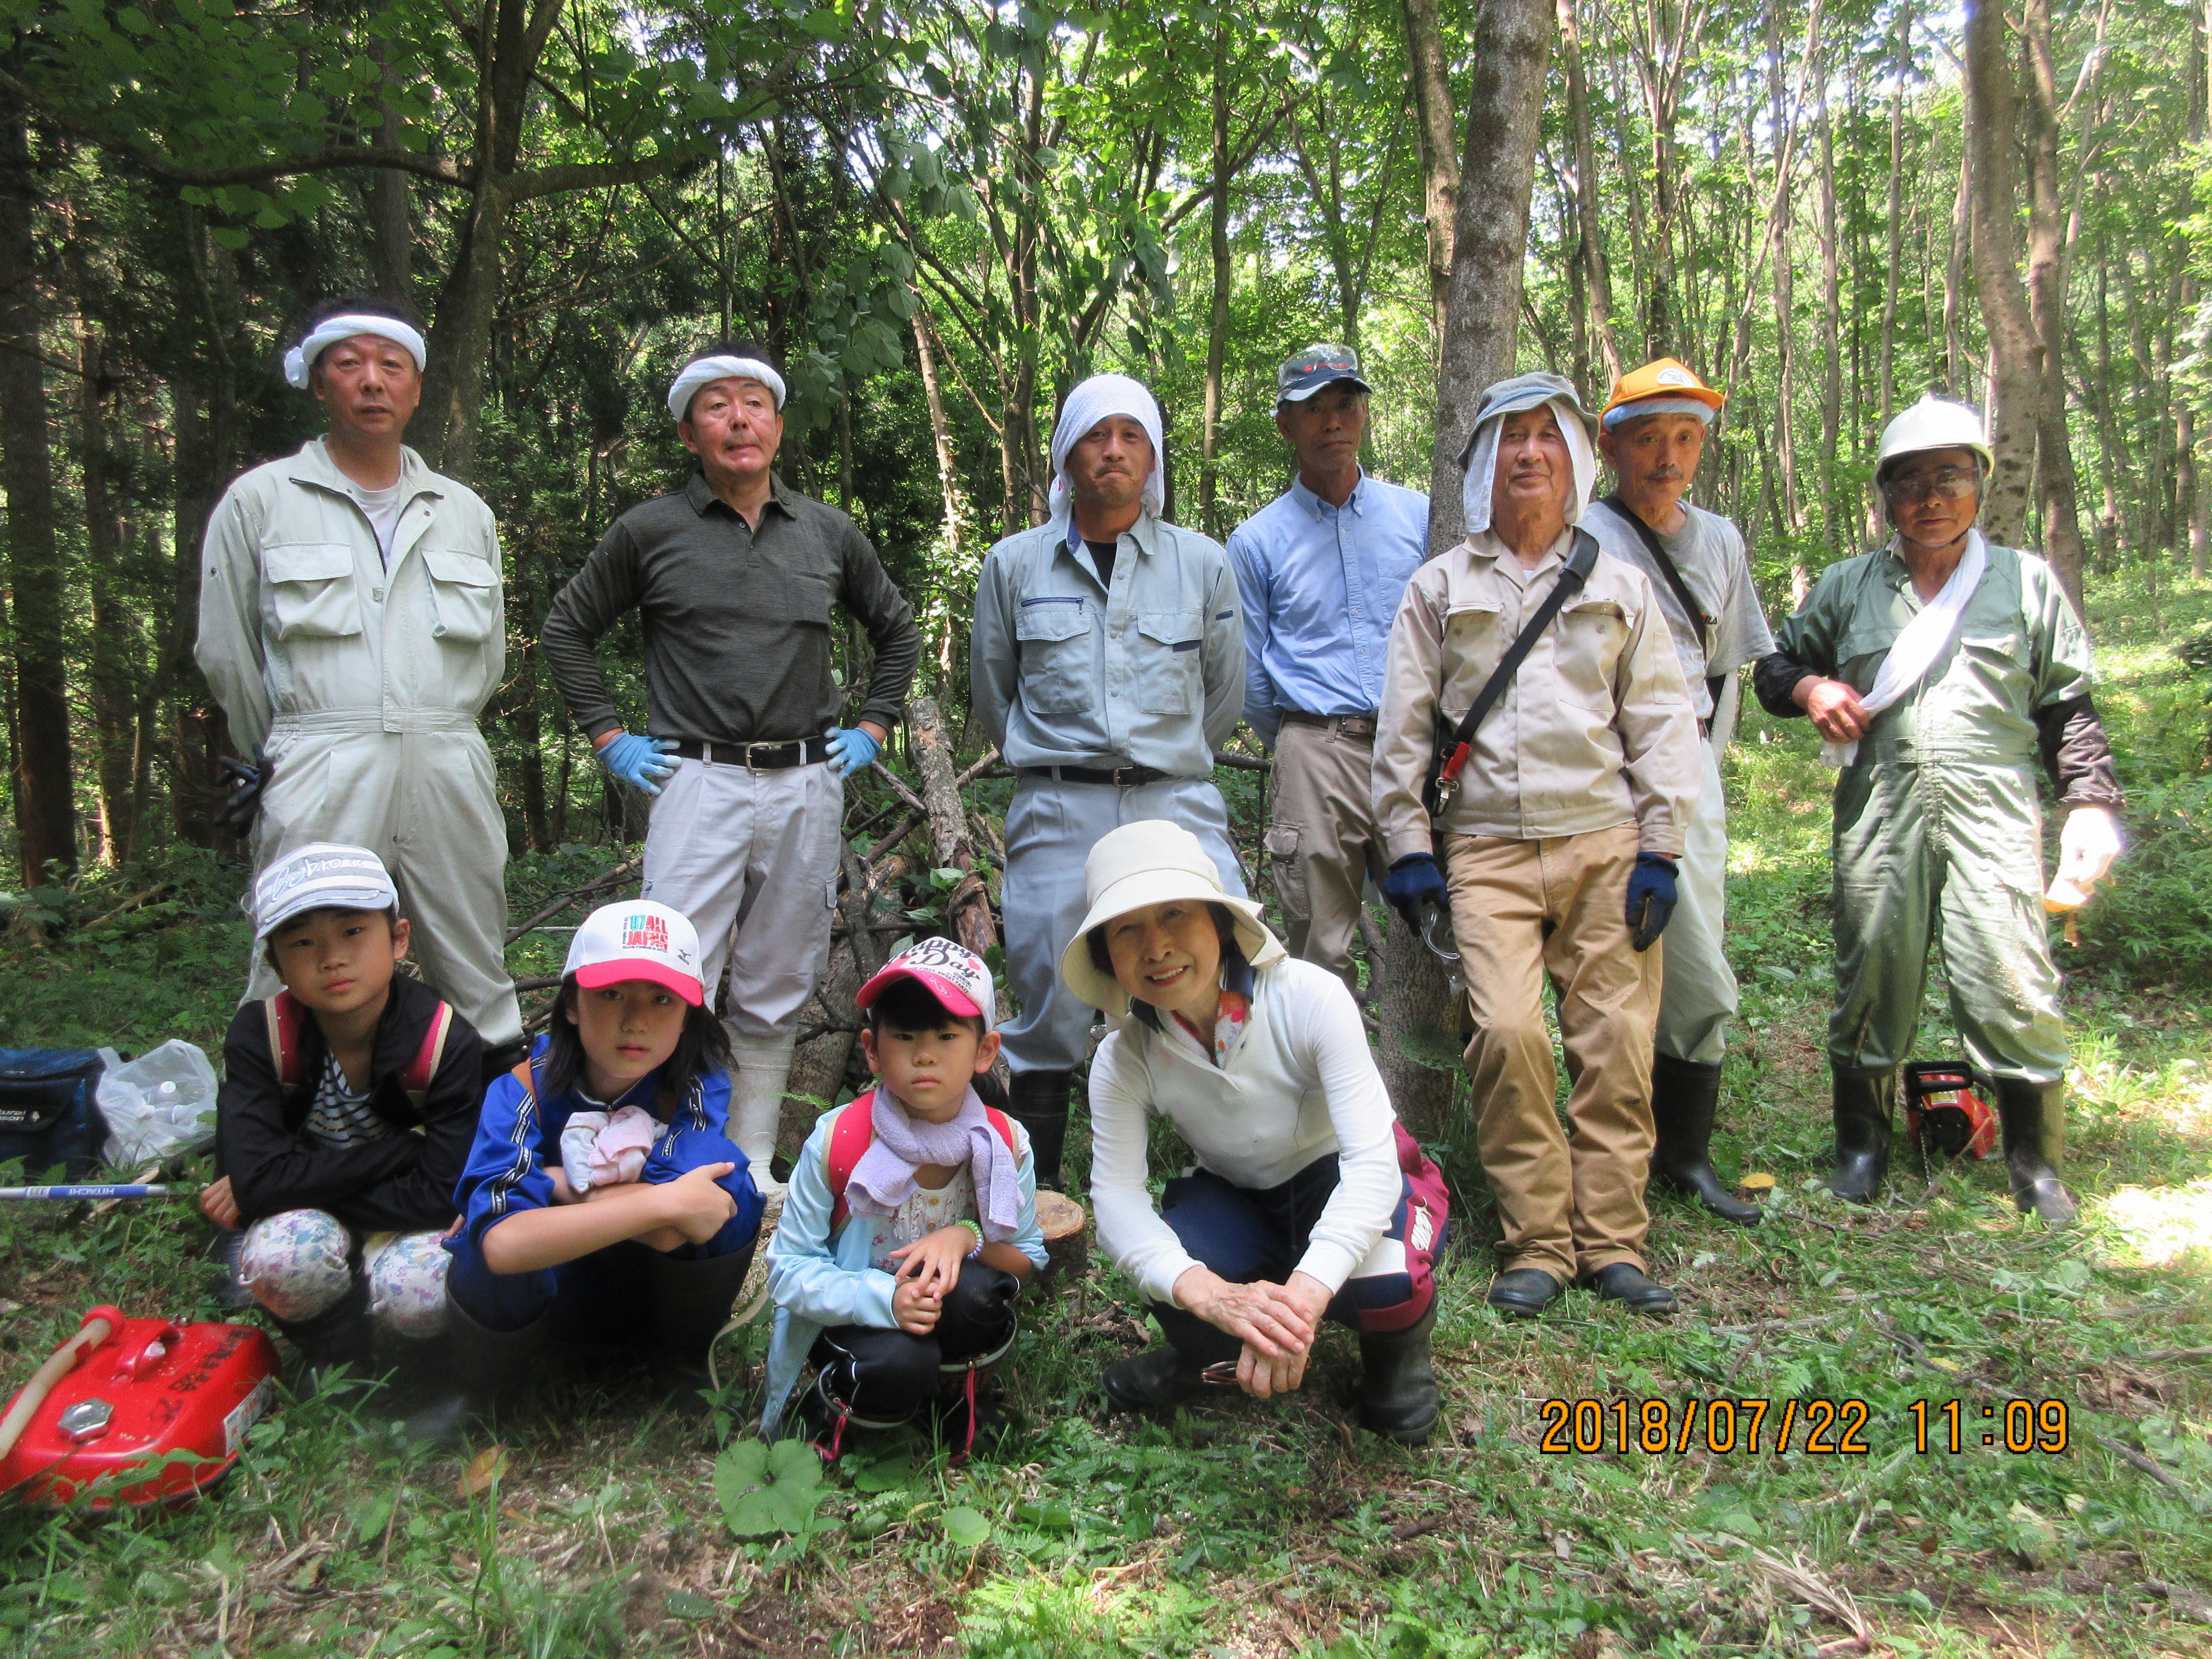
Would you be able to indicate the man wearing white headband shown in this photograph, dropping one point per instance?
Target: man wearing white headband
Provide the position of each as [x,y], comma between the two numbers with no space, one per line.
[1107,663]
[1560,844]
[352,627]
[1652,431]
[733,577]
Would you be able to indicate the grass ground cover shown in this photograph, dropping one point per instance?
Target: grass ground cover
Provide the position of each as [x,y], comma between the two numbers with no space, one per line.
[603,1522]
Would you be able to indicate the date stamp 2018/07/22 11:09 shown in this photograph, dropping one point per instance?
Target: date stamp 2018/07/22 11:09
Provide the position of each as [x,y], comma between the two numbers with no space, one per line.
[1814,1427]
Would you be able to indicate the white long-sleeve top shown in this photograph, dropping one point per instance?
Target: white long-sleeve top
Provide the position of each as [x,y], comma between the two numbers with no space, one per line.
[1299,1085]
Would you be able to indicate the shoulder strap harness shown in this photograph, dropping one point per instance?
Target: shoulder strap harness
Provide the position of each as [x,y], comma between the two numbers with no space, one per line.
[288,1024]
[854,1132]
[1714,682]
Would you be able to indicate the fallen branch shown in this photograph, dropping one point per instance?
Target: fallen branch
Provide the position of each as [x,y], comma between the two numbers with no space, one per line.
[2135,1459]
[576,896]
[982,768]
[900,788]
[132,903]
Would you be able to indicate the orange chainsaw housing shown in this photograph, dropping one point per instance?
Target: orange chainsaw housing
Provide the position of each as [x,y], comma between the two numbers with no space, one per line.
[1944,1114]
[154,1414]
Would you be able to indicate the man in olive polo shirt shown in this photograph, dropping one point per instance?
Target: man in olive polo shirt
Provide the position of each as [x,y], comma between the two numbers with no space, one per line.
[734,576]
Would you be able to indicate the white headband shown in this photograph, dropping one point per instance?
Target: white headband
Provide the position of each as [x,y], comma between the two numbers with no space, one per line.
[704,371]
[1096,399]
[327,333]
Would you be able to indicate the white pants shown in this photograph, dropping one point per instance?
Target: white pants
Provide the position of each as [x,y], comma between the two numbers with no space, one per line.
[1697,997]
[759,849]
[1051,828]
[426,802]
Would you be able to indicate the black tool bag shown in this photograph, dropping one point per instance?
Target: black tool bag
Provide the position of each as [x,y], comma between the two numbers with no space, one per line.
[50,1110]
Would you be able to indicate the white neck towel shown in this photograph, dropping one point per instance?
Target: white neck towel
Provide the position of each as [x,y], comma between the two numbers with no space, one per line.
[1482,465]
[1091,401]
[1922,641]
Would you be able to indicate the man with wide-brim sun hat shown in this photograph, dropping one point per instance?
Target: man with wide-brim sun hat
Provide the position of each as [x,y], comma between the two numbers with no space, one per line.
[1307,1200]
[1942,669]
[1652,433]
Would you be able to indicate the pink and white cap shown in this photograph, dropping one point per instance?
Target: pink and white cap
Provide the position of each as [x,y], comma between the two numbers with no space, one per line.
[637,939]
[955,974]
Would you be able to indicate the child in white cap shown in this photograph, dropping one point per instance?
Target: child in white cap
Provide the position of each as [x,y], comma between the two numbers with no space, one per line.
[911,1223]
[348,1105]
[604,1199]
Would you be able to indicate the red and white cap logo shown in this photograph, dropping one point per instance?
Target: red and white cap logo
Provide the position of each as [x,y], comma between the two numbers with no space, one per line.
[635,939]
[955,974]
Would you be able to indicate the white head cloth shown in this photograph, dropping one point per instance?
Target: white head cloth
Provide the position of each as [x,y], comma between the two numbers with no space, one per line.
[1094,400]
[327,333]
[1922,641]
[704,371]
[1482,463]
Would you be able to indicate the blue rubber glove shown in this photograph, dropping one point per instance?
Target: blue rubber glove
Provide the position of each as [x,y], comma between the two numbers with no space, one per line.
[637,761]
[1650,898]
[852,749]
[1413,881]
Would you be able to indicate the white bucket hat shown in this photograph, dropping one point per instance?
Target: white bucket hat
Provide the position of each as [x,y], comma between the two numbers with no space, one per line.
[1152,862]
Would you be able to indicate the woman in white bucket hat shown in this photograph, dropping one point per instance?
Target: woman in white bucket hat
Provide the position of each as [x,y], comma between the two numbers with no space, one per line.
[1308,1199]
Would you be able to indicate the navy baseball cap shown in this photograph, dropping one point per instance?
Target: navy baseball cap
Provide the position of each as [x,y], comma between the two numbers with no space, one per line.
[1314,368]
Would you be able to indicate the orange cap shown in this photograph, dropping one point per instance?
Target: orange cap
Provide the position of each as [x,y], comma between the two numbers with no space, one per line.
[1663,377]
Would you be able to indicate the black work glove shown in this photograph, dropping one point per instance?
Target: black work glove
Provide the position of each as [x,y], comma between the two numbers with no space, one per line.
[242,804]
[1650,898]
[1413,881]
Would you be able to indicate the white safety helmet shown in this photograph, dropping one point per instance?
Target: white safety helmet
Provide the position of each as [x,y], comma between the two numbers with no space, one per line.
[1934,423]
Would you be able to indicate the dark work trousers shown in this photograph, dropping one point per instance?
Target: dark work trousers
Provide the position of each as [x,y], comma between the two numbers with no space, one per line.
[880,1373]
[1246,1234]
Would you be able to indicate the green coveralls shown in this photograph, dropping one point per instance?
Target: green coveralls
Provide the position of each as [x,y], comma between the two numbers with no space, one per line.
[1938,827]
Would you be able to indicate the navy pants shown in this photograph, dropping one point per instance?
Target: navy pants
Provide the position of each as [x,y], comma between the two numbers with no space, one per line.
[1246,1234]
[605,1296]
[886,1373]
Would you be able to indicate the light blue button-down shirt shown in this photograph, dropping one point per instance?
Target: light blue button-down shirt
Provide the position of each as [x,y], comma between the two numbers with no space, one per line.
[1321,585]
[1067,672]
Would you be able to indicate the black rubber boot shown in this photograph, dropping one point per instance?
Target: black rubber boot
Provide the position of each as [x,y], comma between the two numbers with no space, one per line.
[334,1343]
[1039,1105]
[491,1364]
[1155,1380]
[1863,1106]
[498,1062]
[1685,1095]
[2032,1116]
[431,1405]
[691,1301]
[1634,1289]
[1397,1389]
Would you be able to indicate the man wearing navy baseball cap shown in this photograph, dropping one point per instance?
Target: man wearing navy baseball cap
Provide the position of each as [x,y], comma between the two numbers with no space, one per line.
[1321,569]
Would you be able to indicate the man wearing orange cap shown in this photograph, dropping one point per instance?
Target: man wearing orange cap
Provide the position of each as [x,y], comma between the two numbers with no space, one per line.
[1652,432]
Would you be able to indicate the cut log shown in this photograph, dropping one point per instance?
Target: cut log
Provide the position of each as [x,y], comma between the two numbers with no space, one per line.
[817,1066]
[968,909]
[1067,1234]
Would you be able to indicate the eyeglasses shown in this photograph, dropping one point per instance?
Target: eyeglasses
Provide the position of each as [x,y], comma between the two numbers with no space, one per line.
[1949,483]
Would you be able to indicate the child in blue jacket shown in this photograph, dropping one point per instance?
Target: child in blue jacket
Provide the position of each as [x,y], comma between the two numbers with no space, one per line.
[602,1200]
[911,1225]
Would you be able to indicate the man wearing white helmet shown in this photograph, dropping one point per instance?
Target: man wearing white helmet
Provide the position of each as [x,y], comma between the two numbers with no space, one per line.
[733,577]
[1939,668]
[352,627]
[1108,664]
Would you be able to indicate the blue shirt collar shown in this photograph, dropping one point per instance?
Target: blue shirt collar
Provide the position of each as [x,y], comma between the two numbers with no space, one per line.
[1316,507]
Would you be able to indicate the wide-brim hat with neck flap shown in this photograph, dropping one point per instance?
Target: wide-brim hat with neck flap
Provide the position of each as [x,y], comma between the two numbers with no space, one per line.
[1151,862]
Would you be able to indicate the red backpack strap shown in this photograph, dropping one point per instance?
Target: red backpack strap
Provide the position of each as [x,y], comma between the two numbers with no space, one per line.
[422,1070]
[286,1018]
[1005,1127]
[850,1137]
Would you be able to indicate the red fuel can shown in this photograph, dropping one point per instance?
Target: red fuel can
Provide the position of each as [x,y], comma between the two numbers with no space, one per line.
[151,1412]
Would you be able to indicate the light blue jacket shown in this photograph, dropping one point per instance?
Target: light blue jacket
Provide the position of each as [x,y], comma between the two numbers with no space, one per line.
[819,1279]
[1065,672]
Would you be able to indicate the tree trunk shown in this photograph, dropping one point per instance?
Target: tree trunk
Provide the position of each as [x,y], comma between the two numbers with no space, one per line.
[1785,299]
[1896,213]
[1217,330]
[1955,281]
[114,629]
[1597,280]
[2046,276]
[1440,175]
[1993,119]
[1511,54]
[391,226]
[1832,327]
[45,808]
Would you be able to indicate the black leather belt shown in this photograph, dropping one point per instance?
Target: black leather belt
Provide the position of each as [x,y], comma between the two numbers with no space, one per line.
[1351,726]
[758,756]
[1122,777]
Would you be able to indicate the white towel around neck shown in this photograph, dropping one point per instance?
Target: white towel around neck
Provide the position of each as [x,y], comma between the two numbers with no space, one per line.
[1922,641]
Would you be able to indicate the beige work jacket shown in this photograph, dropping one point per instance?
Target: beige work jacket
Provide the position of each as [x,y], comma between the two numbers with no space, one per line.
[1595,730]
[300,620]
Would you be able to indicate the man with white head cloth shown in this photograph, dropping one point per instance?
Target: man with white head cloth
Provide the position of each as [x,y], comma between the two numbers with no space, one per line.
[1561,841]
[352,626]
[1107,663]
[734,576]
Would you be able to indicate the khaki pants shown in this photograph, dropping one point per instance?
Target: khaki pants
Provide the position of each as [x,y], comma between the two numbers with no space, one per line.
[1322,841]
[1571,1202]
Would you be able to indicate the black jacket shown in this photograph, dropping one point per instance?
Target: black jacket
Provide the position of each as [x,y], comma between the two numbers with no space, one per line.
[404,1182]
